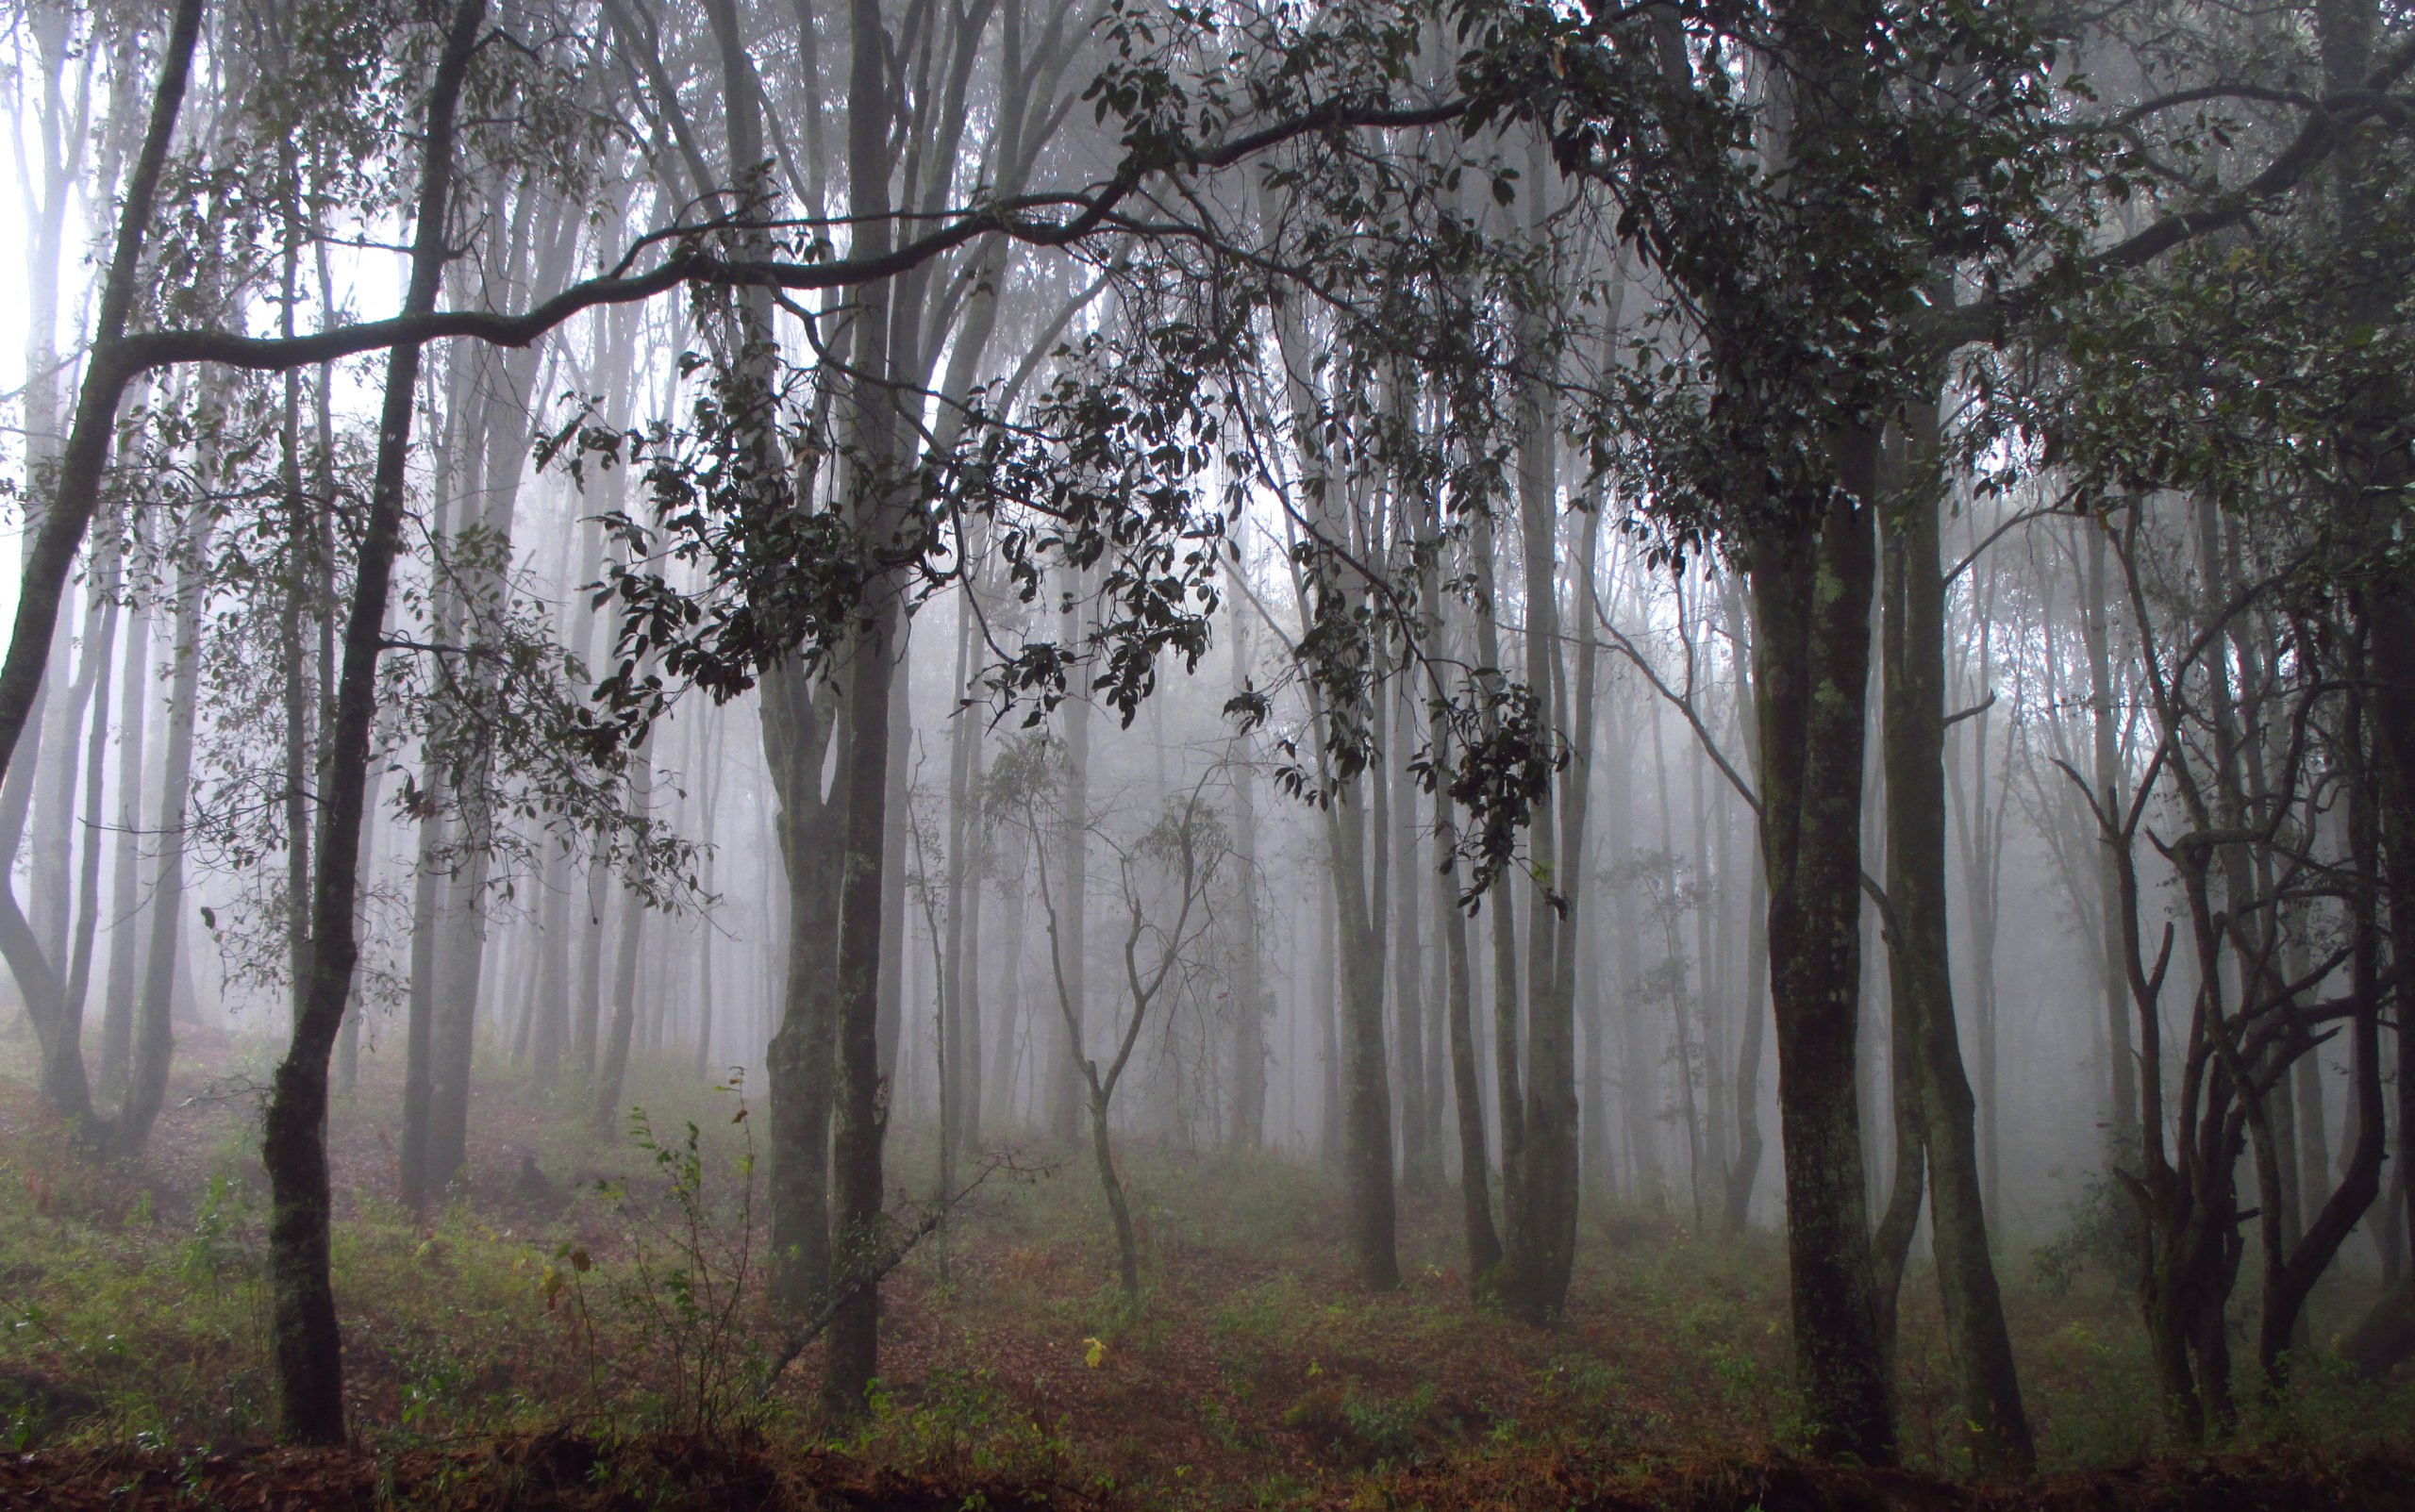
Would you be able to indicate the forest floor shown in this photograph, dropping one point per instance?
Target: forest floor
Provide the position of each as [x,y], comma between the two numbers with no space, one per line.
[579,1327]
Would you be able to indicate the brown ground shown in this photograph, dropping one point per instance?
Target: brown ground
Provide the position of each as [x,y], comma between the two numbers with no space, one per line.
[1253,1373]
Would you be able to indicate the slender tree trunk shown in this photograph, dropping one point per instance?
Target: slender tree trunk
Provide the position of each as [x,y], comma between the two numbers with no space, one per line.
[964,742]
[2121,1134]
[891,1031]
[59,539]
[1064,1081]
[128,919]
[1755,962]
[1670,906]
[1367,1124]
[308,1350]
[1249,1017]
[607,1112]
[1467,1078]
[101,644]
[1007,967]
[147,1089]
[420,1176]
[1553,1117]
[1421,1127]
[1914,674]
[551,1006]
[1508,1091]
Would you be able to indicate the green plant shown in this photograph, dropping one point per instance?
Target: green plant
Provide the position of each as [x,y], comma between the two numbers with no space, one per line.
[688,1282]
[222,1241]
[2100,1227]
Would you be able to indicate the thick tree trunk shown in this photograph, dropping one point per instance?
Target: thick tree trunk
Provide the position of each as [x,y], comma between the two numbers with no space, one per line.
[1811,589]
[852,1346]
[796,736]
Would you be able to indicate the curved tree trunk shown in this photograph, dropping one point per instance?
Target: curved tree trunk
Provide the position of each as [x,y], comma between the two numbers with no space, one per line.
[308,1350]
[1914,674]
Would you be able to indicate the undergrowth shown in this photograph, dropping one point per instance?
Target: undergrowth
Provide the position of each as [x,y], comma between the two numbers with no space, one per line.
[613,1294]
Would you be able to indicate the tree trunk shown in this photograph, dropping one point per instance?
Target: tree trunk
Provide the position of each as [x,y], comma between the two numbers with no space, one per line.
[1755,963]
[551,1006]
[963,1072]
[605,1116]
[796,736]
[1553,1124]
[2121,1134]
[1249,1018]
[129,919]
[1914,674]
[1811,586]
[102,646]
[308,1350]
[1064,1081]
[147,1088]
[851,1350]
[55,543]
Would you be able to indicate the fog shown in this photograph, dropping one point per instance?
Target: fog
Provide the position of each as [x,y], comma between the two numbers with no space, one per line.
[1456,649]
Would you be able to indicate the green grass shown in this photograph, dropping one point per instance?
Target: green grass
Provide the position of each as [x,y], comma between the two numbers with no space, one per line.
[134,1310]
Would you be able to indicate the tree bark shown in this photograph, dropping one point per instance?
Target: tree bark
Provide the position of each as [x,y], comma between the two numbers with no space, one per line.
[154,1039]
[851,1350]
[308,1350]
[126,928]
[1811,586]
[1914,749]
[1249,1018]
[1754,964]
[604,1117]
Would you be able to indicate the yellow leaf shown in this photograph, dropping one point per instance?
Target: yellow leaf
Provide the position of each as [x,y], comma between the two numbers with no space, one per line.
[1094,1352]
